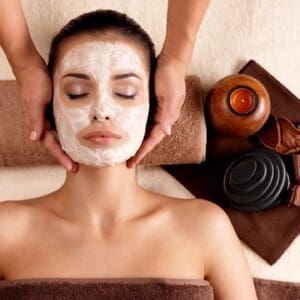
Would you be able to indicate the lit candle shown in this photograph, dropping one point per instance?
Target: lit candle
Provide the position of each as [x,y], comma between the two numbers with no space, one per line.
[242,100]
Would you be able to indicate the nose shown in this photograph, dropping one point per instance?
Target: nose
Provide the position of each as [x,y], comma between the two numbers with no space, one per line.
[103,110]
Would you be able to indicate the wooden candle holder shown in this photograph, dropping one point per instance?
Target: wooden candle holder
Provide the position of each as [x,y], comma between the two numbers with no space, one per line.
[238,105]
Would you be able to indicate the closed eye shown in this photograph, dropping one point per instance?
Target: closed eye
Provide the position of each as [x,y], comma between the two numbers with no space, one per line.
[76,96]
[125,96]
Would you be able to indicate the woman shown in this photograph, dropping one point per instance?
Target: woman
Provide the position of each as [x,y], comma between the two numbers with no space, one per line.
[101,223]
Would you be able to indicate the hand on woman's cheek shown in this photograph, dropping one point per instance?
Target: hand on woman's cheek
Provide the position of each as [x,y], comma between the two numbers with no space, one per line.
[101,85]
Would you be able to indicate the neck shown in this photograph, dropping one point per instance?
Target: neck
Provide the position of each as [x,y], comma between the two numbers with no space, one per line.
[101,197]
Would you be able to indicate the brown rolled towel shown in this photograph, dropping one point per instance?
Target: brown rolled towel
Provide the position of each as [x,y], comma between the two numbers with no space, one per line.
[187,144]
[106,289]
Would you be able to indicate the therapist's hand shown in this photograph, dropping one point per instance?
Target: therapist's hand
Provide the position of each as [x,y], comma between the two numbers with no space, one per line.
[169,84]
[36,92]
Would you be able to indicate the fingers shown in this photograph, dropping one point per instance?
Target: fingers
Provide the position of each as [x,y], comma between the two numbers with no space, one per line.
[36,121]
[163,119]
[170,94]
[36,94]
[168,116]
[170,89]
[154,138]
[50,142]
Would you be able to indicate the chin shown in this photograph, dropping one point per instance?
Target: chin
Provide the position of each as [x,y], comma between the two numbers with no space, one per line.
[104,164]
[100,162]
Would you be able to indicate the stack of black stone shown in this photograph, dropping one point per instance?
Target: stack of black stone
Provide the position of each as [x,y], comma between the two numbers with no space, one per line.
[255,181]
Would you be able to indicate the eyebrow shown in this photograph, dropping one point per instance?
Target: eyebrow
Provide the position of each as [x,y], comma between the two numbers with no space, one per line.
[121,76]
[78,75]
[116,77]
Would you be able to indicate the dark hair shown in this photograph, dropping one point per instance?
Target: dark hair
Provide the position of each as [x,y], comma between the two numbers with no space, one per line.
[101,21]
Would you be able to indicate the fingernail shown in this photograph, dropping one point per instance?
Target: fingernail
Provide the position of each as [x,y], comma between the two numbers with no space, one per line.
[33,135]
[169,129]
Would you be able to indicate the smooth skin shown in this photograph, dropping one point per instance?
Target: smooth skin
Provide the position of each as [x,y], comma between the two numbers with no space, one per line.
[138,234]
[183,21]
[169,238]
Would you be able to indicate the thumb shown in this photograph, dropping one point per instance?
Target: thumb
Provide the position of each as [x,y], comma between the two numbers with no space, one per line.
[166,127]
[163,117]
[168,115]
[37,118]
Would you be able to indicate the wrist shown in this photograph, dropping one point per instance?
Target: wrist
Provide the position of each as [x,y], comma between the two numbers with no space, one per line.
[29,62]
[167,58]
[178,51]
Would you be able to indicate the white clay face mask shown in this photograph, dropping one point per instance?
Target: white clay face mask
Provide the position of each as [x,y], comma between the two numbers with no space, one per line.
[100,101]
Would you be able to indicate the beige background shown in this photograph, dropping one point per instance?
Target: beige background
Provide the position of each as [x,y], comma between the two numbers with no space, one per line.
[232,32]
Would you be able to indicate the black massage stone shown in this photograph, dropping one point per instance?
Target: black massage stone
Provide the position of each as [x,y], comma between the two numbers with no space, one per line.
[256,180]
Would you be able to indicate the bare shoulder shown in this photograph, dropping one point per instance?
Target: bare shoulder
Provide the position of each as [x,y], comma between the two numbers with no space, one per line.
[15,218]
[203,215]
[225,264]
[12,214]
[199,219]
[18,220]
[212,218]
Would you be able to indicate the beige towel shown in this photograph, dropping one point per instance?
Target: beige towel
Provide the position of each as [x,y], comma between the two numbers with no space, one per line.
[187,144]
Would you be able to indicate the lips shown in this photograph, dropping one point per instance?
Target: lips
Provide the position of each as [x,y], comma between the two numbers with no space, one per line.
[101,136]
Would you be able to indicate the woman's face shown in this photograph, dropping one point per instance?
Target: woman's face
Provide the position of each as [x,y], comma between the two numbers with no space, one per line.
[101,88]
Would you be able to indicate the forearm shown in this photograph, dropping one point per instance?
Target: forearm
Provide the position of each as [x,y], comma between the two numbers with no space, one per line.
[183,22]
[15,37]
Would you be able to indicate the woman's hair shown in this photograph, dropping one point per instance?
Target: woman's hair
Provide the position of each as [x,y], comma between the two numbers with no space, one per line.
[102,21]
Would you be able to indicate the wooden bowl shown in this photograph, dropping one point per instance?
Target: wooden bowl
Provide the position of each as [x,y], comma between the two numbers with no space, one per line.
[238,105]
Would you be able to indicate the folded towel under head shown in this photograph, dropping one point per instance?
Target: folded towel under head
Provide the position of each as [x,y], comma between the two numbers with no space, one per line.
[187,144]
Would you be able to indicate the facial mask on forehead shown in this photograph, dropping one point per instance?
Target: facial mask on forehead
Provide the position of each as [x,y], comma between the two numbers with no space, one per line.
[99,60]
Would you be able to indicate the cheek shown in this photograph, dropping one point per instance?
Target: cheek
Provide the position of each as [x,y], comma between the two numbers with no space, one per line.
[133,120]
[76,118]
